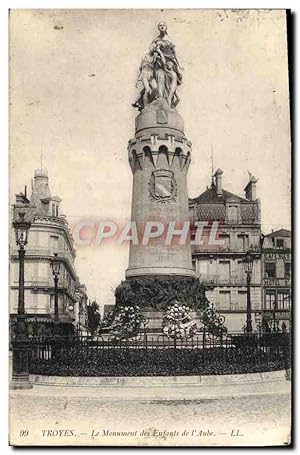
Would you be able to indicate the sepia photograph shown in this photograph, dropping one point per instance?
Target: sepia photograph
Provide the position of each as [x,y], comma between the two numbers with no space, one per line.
[150,233]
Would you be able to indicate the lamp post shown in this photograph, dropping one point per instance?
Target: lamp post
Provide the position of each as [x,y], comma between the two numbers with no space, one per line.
[248,267]
[20,376]
[55,266]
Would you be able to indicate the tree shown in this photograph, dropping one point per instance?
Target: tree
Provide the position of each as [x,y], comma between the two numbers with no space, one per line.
[93,317]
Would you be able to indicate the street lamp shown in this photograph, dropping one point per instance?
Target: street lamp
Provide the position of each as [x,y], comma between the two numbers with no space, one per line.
[21,229]
[55,266]
[248,267]
[20,376]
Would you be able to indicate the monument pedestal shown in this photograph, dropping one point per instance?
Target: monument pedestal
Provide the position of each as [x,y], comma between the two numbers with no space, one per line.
[159,157]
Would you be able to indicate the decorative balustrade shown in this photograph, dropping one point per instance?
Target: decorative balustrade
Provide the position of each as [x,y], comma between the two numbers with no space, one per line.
[232,280]
[43,252]
[47,282]
[208,248]
[41,282]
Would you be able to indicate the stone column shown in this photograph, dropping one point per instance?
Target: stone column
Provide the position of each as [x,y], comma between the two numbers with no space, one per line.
[159,157]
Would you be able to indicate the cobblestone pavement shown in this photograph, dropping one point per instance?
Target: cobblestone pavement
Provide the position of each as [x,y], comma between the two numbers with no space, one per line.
[57,420]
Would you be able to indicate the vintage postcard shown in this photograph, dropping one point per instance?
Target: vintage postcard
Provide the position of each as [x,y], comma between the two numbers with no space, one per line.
[150,228]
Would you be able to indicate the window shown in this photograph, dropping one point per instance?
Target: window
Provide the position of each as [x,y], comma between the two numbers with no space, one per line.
[226,240]
[224,300]
[232,213]
[270,300]
[242,300]
[243,242]
[241,271]
[279,243]
[240,242]
[224,271]
[51,304]
[287,270]
[69,280]
[203,268]
[270,270]
[54,243]
[283,300]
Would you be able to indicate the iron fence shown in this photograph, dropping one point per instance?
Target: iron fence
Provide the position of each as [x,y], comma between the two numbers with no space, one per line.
[157,355]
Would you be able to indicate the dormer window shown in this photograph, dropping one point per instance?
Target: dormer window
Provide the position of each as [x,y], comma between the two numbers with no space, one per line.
[232,213]
[279,243]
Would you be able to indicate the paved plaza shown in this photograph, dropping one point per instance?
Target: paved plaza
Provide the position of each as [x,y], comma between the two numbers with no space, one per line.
[55,415]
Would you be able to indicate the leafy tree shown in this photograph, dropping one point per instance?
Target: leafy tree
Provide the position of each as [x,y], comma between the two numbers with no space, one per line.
[93,317]
[108,319]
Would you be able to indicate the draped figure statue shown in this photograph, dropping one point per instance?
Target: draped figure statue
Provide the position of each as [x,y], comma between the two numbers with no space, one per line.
[159,72]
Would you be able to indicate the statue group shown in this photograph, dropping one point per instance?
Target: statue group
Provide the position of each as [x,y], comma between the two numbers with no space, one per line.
[159,72]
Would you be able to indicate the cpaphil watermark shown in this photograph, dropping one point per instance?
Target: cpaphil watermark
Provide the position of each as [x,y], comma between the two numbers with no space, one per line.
[88,232]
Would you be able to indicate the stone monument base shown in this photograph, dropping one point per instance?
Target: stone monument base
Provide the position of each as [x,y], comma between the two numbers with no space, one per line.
[155,318]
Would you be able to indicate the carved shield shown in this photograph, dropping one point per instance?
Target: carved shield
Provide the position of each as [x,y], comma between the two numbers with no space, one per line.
[162,185]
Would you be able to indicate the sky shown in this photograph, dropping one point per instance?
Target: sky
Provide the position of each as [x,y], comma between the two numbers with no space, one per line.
[72,82]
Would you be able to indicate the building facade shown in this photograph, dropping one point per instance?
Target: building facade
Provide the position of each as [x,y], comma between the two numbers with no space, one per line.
[218,261]
[49,233]
[276,272]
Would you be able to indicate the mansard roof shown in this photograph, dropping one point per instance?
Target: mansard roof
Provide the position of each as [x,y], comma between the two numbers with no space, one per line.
[280,233]
[210,196]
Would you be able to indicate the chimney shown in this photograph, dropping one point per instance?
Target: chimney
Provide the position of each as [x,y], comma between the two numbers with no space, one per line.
[250,188]
[218,176]
[21,199]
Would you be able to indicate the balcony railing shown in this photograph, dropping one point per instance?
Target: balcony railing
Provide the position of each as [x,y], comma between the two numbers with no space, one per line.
[211,249]
[41,282]
[233,280]
[44,252]
[233,249]
[33,251]
[48,282]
